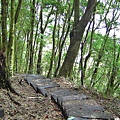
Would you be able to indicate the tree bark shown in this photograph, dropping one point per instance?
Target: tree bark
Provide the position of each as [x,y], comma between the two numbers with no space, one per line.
[4,73]
[62,42]
[4,6]
[18,10]
[53,48]
[12,30]
[31,37]
[42,29]
[75,40]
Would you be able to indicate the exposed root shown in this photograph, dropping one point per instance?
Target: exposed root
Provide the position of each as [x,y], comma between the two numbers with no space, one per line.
[9,87]
[11,98]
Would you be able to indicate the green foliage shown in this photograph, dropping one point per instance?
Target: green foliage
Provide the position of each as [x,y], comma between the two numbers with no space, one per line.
[100,9]
[110,51]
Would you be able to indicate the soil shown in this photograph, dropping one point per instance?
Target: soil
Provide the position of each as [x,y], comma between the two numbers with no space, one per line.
[34,106]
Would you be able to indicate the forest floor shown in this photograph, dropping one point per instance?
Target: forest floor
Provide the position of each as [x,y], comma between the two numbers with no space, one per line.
[34,106]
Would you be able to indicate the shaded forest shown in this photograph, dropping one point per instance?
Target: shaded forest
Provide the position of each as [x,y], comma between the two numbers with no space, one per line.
[78,40]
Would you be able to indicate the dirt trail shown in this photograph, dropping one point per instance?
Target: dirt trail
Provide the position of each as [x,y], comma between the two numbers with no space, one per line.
[34,106]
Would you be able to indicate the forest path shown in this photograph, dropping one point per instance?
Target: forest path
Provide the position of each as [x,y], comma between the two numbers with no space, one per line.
[67,101]
[75,105]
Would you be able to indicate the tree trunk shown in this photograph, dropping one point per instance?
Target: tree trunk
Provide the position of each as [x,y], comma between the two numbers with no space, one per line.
[53,48]
[39,69]
[62,42]
[15,47]
[114,71]
[4,73]
[75,40]
[12,36]
[4,6]
[18,10]
[31,37]
[42,29]
[76,12]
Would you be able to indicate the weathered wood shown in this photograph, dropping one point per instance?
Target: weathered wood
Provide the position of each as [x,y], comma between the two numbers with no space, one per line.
[72,103]
[48,86]
[35,76]
[39,83]
[77,118]
[94,108]
[43,92]
[1,113]
[84,106]
[42,89]
[29,79]
[63,99]
[62,92]
[89,114]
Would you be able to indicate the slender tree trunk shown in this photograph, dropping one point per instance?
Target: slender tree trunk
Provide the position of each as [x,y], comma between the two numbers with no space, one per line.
[75,40]
[63,42]
[12,38]
[76,12]
[101,51]
[3,68]
[111,81]
[83,63]
[18,10]
[53,47]
[4,6]
[27,55]
[31,37]
[39,69]
[3,71]
[15,21]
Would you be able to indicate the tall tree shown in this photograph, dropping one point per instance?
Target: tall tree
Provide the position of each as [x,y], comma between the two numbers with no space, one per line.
[75,40]
[4,6]
[12,35]
[16,19]
[4,71]
[43,27]
[64,35]
[3,67]
[31,37]
[53,48]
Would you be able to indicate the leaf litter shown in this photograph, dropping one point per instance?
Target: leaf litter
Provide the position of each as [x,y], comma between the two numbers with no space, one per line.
[33,106]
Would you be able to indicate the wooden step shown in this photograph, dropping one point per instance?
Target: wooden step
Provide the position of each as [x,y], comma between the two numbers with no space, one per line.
[74,105]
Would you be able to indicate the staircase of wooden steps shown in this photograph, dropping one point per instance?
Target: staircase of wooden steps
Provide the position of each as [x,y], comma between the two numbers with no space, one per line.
[74,105]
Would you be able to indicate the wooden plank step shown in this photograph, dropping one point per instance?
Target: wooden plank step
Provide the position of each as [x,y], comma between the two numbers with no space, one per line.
[85,101]
[74,98]
[44,90]
[84,106]
[61,92]
[73,104]
[35,76]
[51,85]
[77,118]
[81,108]
[30,78]
[47,92]
[94,108]
[88,114]
[39,82]
[1,112]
